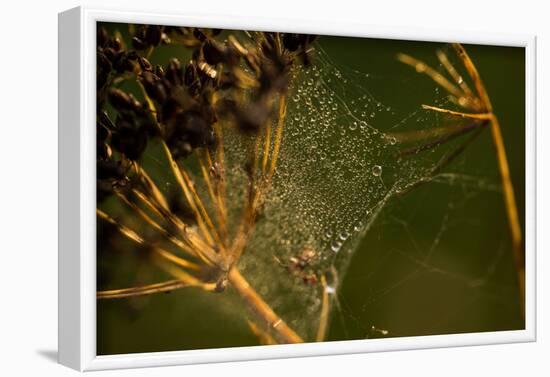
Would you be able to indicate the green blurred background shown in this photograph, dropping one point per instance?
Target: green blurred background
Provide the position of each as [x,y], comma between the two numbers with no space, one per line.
[436,261]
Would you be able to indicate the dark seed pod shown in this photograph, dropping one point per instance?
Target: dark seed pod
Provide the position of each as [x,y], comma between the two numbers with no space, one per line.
[189,130]
[173,72]
[291,41]
[102,37]
[129,139]
[153,86]
[213,52]
[109,169]
[138,43]
[197,33]
[122,101]
[110,175]
[144,64]
[159,71]
[103,134]
[153,35]
[116,44]
[125,62]
[190,74]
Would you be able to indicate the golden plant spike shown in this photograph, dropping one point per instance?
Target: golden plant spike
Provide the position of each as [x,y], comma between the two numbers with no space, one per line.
[472,71]
[132,235]
[263,336]
[486,109]
[178,175]
[197,246]
[453,72]
[504,170]
[276,324]
[159,228]
[166,286]
[266,147]
[422,67]
[202,210]
[482,116]
[323,319]
[278,135]
[155,191]
[187,194]
[220,159]
[219,190]
[220,216]
[183,276]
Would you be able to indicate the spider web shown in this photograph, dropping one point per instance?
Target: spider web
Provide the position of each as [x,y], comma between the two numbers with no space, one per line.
[349,165]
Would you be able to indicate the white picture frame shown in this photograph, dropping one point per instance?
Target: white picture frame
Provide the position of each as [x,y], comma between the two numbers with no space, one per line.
[77,206]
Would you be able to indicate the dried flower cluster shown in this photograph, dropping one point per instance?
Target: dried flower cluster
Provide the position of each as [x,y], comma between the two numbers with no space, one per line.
[185,108]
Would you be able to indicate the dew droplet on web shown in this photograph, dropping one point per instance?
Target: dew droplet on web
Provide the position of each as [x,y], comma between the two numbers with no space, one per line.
[377,170]
[344,235]
[336,246]
[330,290]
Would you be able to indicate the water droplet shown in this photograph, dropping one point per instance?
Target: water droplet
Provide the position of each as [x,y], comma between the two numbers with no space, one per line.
[377,170]
[393,140]
[330,290]
[460,80]
[344,235]
[336,246]
[353,126]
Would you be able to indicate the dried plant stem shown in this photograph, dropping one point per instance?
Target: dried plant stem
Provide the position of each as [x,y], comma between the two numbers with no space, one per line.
[278,134]
[453,72]
[472,71]
[458,131]
[154,190]
[179,243]
[264,337]
[481,103]
[216,199]
[165,286]
[483,116]
[281,330]
[220,159]
[187,193]
[508,188]
[158,210]
[323,319]
[250,296]
[219,183]
[132,235]
[266,147]
[200,205]
[422,67]
[182,275]
[197,247]
[511,207]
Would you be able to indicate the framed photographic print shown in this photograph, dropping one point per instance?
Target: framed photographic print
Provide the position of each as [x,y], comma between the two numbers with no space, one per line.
[234,189]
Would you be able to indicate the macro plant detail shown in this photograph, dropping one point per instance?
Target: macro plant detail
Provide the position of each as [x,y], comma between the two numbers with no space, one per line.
[251,166]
